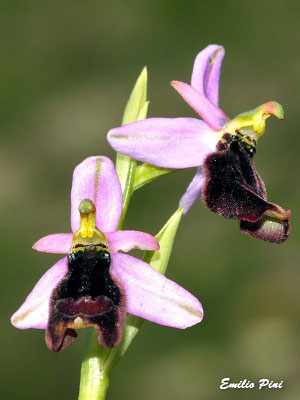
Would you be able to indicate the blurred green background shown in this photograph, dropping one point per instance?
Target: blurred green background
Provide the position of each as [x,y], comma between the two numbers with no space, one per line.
[66,71]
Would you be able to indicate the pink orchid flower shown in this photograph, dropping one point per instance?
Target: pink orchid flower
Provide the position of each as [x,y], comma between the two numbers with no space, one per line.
[95,285]
[221,148]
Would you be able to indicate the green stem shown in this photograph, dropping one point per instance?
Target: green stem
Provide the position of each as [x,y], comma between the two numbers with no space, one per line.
[110,357]
[94,382]
[128,190]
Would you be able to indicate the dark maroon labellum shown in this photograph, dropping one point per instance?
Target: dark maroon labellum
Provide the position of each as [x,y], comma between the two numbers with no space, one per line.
[234,189]
[87,296]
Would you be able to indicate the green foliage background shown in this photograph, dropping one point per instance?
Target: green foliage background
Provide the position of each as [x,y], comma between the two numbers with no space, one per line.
[66,71]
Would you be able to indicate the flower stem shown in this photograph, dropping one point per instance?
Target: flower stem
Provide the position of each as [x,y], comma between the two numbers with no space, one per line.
[93,382]
[128,190]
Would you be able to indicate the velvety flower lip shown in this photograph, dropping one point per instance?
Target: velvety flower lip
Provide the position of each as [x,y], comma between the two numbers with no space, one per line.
[239,193]
[135,286]
[184,143]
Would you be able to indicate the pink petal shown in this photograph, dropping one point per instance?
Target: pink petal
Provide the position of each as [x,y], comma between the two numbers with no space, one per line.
[206,72]
[34,312]
[212,115]
[165,142]
[152,296]
[193,192]
[96,179]
[59,243]
[129,240]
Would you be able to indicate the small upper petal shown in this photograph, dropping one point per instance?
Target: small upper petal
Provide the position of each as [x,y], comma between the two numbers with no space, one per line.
[129,240]
[152,296]
[59,243]
[206,72]
[96,179]
[165,142]
[34,312]
[212,115]
[193,192]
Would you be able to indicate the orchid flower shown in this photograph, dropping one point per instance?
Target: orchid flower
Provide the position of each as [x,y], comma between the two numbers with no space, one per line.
[221,148]
[95,284]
